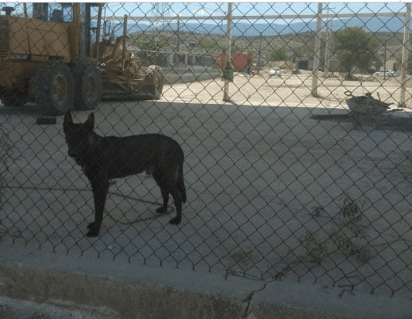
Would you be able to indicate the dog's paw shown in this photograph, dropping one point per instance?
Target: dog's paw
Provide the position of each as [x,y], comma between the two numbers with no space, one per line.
[175,221]
[92,233]
[161,210]
[94,230]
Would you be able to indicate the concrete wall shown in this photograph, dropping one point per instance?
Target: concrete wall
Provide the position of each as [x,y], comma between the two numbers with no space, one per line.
[132,291]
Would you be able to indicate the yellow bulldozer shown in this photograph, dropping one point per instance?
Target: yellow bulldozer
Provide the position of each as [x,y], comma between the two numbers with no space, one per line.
[58,55]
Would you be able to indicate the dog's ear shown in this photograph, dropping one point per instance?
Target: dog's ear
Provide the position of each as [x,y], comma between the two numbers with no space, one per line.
[67,119]
[90,122]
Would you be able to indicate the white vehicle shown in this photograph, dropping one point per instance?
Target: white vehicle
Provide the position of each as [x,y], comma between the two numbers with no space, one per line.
[275,72]
[385,72]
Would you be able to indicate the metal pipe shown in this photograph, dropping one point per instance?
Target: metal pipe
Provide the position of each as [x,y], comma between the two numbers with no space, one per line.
[405,51]
[260,53]
[124,40]
[327,44]
[178,36]
[228,51]
[266,17]
[99,25]
[316,57]
[77,31]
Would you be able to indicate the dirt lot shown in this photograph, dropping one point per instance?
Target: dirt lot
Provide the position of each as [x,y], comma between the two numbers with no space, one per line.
[290,89]
[267,187]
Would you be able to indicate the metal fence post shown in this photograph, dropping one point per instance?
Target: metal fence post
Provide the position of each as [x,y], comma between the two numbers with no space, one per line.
[405,56]
[226,97]
[329,33]
[316,55]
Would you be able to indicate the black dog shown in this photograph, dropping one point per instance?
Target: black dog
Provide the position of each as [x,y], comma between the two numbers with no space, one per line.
[105,158]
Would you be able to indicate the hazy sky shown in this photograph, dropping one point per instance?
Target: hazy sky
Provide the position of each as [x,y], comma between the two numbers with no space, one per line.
[219,9]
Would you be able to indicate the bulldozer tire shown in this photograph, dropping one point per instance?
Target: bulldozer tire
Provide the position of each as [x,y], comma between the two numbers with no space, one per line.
[155,75]
[88,86]
[54,87]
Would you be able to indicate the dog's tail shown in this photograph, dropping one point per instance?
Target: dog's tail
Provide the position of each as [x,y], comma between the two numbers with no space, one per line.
[182,191]
[181,184]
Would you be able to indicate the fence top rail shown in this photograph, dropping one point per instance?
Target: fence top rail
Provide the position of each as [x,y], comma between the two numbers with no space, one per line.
[265,17]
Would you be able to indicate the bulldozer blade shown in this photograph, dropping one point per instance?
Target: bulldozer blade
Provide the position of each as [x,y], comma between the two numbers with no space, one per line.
[114,92]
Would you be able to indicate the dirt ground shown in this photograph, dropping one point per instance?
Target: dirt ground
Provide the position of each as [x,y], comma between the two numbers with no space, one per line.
[290,89]
[271,191]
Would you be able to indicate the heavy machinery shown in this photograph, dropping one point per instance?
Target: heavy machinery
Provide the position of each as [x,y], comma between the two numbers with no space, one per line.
[56,55]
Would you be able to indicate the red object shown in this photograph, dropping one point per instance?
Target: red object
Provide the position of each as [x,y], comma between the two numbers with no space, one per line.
[239,60]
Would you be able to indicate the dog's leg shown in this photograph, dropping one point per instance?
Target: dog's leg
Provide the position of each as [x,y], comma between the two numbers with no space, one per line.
[178,192]
[100,189]
[162,183]
[177,198]
[169,184]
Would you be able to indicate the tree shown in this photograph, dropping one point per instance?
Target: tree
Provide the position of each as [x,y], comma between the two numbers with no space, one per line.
[279,55]
[354,47]
[209,45]
[296,55]
[215,46]
[152,51]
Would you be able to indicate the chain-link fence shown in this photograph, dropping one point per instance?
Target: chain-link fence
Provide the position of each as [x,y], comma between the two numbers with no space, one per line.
[297,152]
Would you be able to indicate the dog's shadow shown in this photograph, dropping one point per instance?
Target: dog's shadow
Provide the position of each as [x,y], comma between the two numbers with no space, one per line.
[28,109]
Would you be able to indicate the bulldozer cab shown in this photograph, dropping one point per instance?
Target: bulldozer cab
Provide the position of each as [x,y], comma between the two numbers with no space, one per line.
[63,31]
[84,15]
[57,55]
[55,12]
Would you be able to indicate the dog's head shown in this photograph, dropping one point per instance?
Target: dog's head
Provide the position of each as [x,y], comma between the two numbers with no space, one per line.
[78,136]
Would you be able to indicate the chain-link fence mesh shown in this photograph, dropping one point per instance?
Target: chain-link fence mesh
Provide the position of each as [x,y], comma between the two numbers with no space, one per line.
[297,152]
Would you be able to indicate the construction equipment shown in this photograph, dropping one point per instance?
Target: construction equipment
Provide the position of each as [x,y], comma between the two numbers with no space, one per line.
[55,54]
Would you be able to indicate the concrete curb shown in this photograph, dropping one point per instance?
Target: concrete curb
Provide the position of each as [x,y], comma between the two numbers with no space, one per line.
[143,292]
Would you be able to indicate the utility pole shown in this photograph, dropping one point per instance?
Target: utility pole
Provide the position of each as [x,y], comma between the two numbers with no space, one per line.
[405,50]
[260,53]
[327,40]
[384,65]
[228,51]
[178,35]
[316,55]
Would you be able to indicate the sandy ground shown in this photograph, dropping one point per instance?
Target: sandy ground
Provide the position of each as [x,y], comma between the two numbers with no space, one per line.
[267,187]
[290,89]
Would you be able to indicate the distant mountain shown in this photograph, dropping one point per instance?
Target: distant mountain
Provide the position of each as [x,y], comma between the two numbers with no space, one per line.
[241,28]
